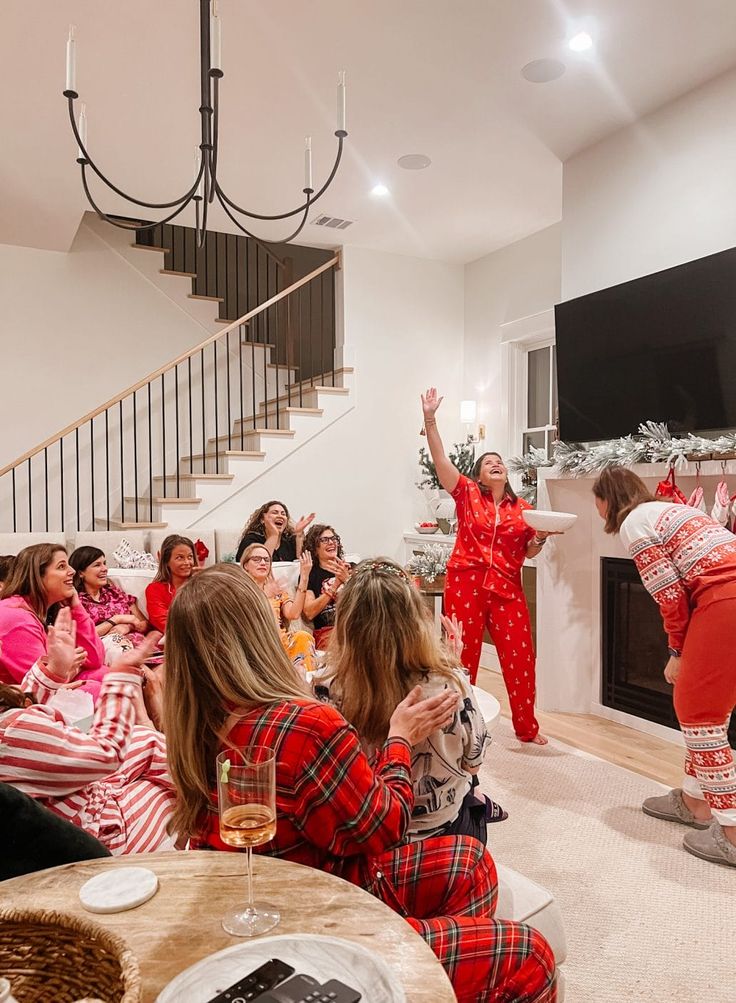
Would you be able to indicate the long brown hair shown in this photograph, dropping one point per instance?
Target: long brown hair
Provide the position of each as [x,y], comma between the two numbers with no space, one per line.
[12,697]
[223,651]
[164,555]
[255,523]
[508,490]
[383,644]
[622,491]
[26,576]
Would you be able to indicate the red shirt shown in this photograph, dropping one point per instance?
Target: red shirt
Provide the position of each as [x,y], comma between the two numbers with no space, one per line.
[159,597]
[490,537]
[334,810]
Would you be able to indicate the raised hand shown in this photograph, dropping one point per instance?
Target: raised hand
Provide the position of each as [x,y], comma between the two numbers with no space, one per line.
[430,402]
[136,657]
[305,566]
[417,717]
[343,571]
[61,646]
[303,523]
[453,629]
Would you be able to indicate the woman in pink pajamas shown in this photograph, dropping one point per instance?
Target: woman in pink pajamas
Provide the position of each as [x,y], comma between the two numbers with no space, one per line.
[483,586]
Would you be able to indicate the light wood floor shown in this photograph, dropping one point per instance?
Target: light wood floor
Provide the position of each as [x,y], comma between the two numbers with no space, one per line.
[644,754]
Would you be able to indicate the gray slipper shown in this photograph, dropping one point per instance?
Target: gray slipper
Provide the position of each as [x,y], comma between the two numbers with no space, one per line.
[672,808]
[711,845]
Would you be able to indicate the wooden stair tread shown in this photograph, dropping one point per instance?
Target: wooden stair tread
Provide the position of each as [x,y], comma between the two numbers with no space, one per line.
[257,344]
[253,454]
[149,247]
[117,524]
[183,275]
[196,477]
[224,320]
[248,433]
[163,499]
[209,299]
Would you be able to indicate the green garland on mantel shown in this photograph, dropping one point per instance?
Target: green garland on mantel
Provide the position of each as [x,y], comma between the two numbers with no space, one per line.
[652,443]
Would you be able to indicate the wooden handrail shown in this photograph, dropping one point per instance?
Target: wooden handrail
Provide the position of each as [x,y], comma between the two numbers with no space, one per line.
[91,415]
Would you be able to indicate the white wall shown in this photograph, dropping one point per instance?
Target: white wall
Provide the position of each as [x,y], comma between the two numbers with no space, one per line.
[514,282]
[655,194]
[403,332]
[77,328]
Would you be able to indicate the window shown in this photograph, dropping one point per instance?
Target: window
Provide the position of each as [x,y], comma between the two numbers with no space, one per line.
[540,395]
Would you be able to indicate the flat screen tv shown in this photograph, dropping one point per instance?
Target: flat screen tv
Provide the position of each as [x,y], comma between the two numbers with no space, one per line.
[662,347]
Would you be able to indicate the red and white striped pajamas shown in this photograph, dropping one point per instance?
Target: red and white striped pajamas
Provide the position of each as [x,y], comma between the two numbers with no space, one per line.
[688,564]
[112,782]
[483,589]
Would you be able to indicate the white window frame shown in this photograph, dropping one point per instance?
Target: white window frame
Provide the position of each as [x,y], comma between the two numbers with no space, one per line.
[518,338]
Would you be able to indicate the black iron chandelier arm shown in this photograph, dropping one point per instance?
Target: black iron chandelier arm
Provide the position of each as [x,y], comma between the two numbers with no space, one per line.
[118,191]
[127,226]
[215,137]
[294,212]
[262,240]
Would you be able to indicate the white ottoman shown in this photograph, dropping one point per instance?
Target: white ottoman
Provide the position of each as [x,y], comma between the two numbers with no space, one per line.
[525,901]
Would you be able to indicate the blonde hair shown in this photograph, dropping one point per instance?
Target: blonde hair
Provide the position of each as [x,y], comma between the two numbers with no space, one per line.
[26,576]
[250,549]
[223,651]
[383,644]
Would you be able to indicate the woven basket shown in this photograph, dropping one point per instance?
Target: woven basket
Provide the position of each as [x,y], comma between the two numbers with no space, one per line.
[54,956]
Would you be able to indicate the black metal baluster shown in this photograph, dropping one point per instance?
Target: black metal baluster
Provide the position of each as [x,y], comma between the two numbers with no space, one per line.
[266,353]
[332,320]
[15,525]
[299,339]
[229,415]
[76,450]
[107,467]
[217,427]
[253,374]
[46,483]
[322,326]
[92,466]
[204,433]
[135,455]
[30,500]
[191,436]
[122,467]
[176,409]
[61,484]
[276,352]
[163,432]
[240,367]
[150,457]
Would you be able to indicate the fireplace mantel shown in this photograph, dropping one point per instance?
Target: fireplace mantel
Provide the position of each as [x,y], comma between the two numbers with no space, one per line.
[569,589]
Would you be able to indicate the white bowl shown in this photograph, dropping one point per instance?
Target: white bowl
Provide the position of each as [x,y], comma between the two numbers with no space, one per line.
[426,529]
[549,522]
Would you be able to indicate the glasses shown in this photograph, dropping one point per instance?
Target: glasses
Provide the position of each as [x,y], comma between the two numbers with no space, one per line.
[328,539]
[258,560]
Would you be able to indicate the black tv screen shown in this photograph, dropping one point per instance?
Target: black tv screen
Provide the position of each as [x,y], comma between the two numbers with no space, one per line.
[662,347]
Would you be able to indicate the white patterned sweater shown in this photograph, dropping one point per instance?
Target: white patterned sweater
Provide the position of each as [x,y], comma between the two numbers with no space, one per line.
[685,560]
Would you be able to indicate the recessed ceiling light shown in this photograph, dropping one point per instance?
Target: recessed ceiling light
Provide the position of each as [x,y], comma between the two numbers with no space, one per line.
[379,191]
[580,42]
[542,71]
[414,161]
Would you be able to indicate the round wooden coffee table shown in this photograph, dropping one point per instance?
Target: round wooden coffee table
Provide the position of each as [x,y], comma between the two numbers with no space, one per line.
[181,923]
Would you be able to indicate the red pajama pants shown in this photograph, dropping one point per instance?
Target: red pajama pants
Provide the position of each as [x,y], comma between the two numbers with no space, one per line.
[705,695]
[446,887]
[508,623]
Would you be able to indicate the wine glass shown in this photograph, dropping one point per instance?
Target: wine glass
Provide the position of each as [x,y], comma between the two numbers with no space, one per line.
[246,792]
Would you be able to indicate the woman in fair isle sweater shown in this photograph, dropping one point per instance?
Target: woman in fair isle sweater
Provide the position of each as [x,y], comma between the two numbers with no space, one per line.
[688,564]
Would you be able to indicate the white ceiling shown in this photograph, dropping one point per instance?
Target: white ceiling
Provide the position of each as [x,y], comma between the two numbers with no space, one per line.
[440,77]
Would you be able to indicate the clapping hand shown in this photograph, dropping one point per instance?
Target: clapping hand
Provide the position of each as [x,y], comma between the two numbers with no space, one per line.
[303,523]
[63,655]
[305,566]
[453,629]
[341,569]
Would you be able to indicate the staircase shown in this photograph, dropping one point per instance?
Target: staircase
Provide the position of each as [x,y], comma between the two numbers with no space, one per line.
[186,438]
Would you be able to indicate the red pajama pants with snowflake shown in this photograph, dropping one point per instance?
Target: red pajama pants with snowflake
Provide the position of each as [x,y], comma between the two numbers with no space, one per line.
[508,623]
[704,697]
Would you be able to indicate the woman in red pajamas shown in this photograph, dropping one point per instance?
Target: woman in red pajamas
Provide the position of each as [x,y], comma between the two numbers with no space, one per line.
[483,586]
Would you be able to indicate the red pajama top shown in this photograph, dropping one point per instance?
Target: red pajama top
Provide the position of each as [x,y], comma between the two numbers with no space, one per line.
[490,537]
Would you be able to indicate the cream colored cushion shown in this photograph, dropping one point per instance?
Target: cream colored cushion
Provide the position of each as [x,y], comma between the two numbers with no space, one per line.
[521,899]
[13,543]
[108,541]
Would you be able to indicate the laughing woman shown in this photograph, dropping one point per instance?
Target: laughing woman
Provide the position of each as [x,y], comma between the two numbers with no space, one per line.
[271,525]
[329,574]
[484,585]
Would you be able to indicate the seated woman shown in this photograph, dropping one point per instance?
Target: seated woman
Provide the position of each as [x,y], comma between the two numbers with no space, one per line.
[40,578]
[177,561]
[329,574]
[113,781]
[298,644]
[235,687]
[6,566]
[271,525]
[383,646]
[115,614]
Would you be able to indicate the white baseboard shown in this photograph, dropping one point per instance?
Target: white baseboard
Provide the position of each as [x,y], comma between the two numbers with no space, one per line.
[638,724]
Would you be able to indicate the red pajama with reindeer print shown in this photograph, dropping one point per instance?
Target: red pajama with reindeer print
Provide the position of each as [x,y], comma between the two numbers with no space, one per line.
[483,589]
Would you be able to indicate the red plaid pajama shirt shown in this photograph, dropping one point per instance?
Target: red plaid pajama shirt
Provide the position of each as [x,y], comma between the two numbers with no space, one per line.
[339,814]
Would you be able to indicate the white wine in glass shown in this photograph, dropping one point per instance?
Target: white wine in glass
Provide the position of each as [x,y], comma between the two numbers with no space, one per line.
[246,791]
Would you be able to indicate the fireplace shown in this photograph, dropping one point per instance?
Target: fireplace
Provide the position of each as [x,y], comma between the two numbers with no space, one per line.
[634,648]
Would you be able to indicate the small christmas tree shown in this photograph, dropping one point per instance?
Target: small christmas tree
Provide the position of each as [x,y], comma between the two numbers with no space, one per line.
[461,456]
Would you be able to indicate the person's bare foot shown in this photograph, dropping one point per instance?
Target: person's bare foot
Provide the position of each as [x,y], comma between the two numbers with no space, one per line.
[539,739]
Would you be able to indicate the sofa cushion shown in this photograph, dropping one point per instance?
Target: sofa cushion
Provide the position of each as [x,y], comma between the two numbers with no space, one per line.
[525,901]
[13,543]
[109,540]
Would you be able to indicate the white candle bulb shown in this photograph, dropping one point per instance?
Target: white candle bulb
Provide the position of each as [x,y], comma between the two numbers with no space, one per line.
[308,162]
[341,101]
[71,62]
[215,39]
[82,128]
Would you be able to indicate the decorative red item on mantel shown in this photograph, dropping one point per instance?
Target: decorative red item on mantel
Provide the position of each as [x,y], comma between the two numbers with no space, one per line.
[667,490]
[200,549]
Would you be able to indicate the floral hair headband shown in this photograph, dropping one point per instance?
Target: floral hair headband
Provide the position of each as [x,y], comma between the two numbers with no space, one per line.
[383,567]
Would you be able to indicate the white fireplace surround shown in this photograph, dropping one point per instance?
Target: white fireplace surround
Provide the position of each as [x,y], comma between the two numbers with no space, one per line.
[569,591]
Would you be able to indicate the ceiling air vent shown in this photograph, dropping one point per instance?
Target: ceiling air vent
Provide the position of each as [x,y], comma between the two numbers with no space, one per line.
[332,222]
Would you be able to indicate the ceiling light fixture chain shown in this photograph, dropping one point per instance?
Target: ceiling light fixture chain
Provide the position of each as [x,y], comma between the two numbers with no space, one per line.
[206,187]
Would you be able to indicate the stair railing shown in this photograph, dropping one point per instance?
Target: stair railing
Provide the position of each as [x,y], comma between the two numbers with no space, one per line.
[184,418]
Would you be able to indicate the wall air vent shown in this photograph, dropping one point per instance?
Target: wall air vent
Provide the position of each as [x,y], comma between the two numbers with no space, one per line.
[332,222]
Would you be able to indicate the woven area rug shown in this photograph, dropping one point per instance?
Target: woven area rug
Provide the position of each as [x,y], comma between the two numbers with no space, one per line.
[646,922]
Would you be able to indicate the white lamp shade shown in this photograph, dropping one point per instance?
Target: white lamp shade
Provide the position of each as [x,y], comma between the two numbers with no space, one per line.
[468,410]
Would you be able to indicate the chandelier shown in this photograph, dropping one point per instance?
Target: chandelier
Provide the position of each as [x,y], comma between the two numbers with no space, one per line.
[205,188]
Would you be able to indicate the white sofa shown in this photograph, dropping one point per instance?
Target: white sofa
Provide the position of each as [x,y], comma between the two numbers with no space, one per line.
[13,543]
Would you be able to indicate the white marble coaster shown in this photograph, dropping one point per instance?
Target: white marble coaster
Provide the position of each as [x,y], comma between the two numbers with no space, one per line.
[118,889]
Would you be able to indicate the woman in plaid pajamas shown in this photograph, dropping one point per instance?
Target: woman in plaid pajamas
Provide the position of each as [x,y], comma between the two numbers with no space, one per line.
[236,687]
